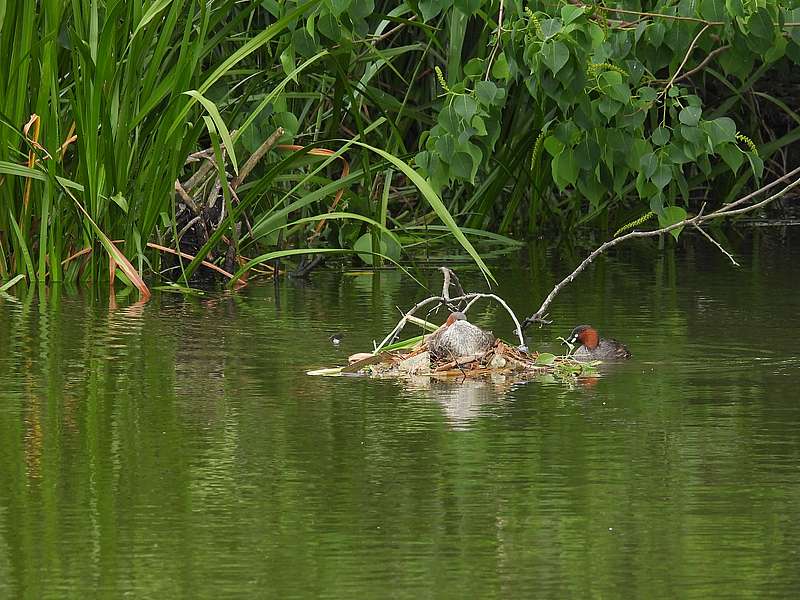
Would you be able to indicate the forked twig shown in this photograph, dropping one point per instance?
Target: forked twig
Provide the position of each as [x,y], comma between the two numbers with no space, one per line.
[471,299]
[717,244]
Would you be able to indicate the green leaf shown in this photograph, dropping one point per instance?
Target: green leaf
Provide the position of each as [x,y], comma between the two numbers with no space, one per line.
[446,147]
[793,16]
[655,33]
[570,12]
[690,115]
[589,186]
[713,10]
[553,145]
[339,6]
[468,7]
[671,215]
[660,136]
[619,92]
[421,160]
[466,107]
[287,61]
[474,67]
[545,358]
[388,247]
[597,35]
[776,51]
[647,94]
[361,9]
[23,245]
[735,7]
[661,176]
[550,27]
[721,130]
[254,43]
[565,168]
[555,55]
[761,26]
[500,68]
[149,15]
[696,136]
[648,164]
[477,158]
[608,79]
[756,164]
[211,108]
[12,282]
[289,123]
[430,8]
[479,125]
[329,27]
[461,165]
[120,201]
[608,107]
[732,156]
[488,93]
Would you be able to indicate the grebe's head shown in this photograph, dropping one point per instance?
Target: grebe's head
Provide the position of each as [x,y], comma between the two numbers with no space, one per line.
[455,316]
[585,335]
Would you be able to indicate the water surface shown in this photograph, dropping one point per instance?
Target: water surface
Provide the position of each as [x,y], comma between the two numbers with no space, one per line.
[178,449]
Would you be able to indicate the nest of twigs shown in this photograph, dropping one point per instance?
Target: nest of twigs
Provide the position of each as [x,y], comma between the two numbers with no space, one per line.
[410,359]
[500,359]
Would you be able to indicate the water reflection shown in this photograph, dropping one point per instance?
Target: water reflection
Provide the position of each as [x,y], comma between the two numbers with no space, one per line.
[461,398]
[177,448]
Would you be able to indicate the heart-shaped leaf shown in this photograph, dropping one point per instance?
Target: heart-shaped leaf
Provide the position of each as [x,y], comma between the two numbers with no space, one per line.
[690,116]
[671,215]
[555,55]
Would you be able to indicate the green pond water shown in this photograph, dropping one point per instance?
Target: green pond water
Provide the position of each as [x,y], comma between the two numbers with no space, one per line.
[179,450]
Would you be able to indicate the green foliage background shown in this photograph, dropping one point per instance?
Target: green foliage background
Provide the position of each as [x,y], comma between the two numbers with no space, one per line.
[524,118]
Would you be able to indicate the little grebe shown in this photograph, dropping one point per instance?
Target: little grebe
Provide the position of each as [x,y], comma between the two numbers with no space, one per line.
[593,347]
[458,337]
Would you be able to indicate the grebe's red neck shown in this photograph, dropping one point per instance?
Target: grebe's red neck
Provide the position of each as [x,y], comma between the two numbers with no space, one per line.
[589,338]
[586,335]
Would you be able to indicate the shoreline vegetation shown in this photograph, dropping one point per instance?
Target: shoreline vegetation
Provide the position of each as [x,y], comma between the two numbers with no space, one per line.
[193,142]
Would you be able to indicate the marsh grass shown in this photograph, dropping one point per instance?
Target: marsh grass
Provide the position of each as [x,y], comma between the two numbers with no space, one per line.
[102,103]
[123,92]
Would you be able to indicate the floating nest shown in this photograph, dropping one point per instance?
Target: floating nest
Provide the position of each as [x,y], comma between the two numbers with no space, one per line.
[500,359]
[414,358]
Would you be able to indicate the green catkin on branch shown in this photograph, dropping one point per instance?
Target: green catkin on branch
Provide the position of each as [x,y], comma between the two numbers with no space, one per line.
[534,21]
[594,69]
[537,150]
[442,82]
[633,224]
[747,142]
